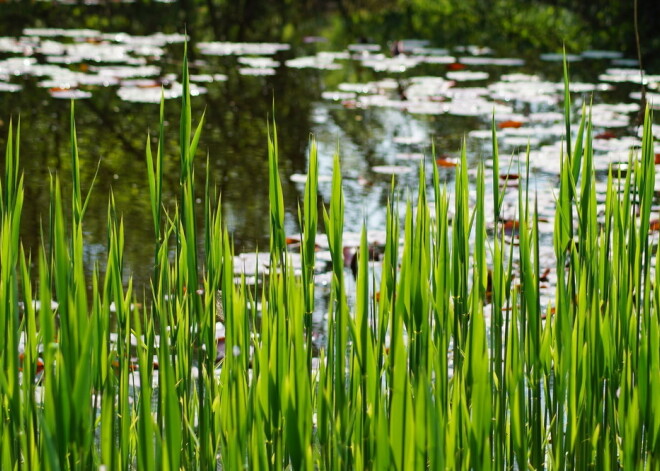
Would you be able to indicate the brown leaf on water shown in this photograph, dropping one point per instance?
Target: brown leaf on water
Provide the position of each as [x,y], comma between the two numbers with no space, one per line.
[605,135]
[544,275]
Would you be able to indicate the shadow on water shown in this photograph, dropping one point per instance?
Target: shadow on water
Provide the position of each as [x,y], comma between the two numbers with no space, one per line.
[112,134]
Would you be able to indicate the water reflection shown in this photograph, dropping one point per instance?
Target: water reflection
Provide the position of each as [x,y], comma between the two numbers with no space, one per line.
[381,109]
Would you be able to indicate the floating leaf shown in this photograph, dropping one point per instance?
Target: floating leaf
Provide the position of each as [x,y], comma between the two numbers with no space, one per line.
[605,135]
[509,124]
[456,66]
[446,162]
[510,176]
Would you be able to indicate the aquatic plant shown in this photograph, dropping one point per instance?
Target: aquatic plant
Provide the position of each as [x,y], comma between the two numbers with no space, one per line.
[450,361]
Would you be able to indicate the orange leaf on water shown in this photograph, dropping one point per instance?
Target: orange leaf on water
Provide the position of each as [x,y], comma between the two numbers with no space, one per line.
[510,224]
[456,66]
[446,162]
[509,124]
[654,225]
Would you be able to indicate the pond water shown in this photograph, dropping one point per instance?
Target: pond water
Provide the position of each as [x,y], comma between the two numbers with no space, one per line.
[380,106]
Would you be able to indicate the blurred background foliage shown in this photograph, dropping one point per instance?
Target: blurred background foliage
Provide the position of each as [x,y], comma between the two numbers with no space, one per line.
[501,24]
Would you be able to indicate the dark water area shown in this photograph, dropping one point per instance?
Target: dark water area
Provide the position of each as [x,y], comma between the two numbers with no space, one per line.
[379,109]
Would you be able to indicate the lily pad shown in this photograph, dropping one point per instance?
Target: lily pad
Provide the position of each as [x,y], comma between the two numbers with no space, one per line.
[10,87]
[391,169]
[363,47]
[338,96]
[258,62]
[123,72]
[358,87]
[229,48]
[256,71]
[397,64]
[313,62]
[465,75]
[139,94]
[499,61]
[408,140]
[438,59]
[72,94]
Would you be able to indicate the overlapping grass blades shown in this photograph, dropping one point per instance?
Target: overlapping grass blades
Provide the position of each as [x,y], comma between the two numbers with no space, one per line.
[443,363]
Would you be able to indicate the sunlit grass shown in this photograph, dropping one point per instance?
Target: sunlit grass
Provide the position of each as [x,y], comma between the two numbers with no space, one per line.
[447,364]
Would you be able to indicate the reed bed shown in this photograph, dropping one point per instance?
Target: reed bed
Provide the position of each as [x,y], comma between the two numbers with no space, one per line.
[454,364]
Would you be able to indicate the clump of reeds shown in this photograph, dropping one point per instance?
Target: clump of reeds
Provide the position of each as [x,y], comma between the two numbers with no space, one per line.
[426,376]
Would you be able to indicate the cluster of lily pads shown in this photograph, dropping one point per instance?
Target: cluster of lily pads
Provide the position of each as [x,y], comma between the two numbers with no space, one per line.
[71,63]
[463,83]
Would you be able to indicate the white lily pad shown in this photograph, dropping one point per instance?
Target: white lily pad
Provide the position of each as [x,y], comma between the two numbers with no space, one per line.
[357,87]
[499,61]
[72,94]
[546,117]
[652,99]
[313,62]
[256,71]
[10,87]
[228,48]
[438,59]
[302,178]
[138,94]
[475,50]
[623,144]
[13,46]
[62,84]
[258,62]
[425,107]
[408,140]
[123,72]
[465,75]
[520,77]
[69,33]
[397,64]
[338,96]
[581,87]
[391,169]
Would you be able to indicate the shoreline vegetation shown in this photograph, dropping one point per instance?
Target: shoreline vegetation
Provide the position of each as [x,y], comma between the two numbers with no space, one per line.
[450,362]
